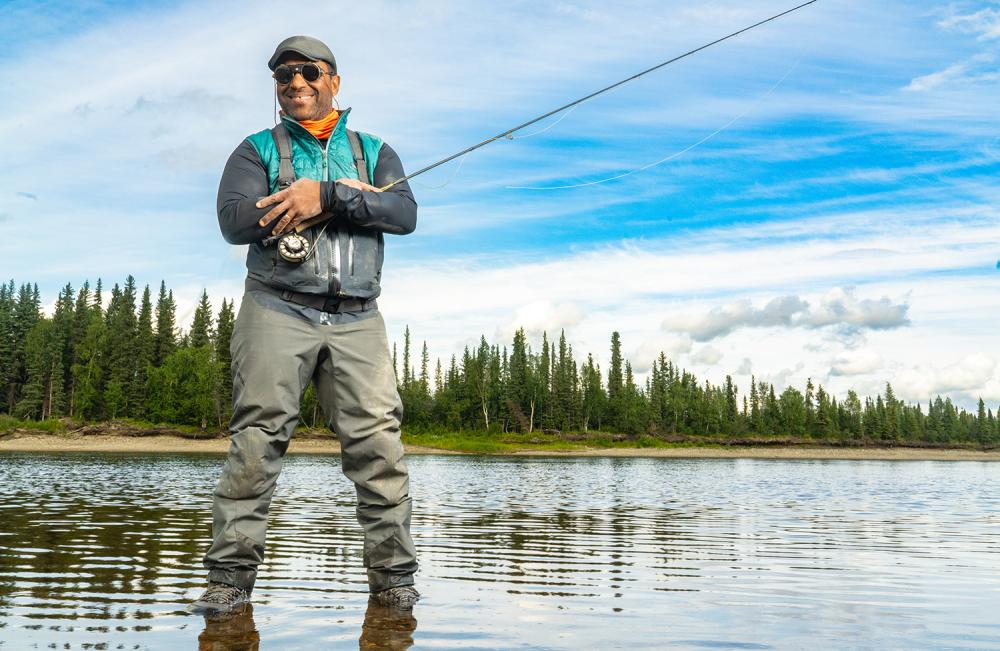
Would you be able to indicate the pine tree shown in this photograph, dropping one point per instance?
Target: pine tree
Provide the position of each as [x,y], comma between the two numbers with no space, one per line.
[42,370]
[407,371]
[120,349]
[615,384]
[88,362]
[165,341]
[520,405]
[144,344]
[8,306]
[424,377]
[26,313]
[223,339]
[201,333]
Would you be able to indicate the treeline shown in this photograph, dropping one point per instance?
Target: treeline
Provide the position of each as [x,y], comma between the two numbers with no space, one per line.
[124,361]
[93,363]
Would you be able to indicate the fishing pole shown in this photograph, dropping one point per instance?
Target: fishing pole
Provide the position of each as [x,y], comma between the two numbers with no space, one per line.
[509,132]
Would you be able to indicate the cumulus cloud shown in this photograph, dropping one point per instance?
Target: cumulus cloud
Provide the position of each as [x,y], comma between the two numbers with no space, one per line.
[670,345]
[745,367]
[839,307]
[859,362]
[707,355]
[721,320]
[541,316]
[974,375]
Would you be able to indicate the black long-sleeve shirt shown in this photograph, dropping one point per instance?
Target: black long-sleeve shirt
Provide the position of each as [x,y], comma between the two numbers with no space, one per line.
[245,181]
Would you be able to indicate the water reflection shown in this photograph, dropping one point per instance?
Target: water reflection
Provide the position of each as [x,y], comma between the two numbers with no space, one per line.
[383,628]
[232,631]
[104,551]
[387,628]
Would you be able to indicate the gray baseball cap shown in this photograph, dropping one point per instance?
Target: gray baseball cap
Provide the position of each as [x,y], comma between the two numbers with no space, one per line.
[307,46]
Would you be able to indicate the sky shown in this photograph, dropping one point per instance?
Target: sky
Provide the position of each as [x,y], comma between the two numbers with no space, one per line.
[828,210]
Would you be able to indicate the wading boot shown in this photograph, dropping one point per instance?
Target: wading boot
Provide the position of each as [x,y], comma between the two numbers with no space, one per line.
[219,597]
[400,598]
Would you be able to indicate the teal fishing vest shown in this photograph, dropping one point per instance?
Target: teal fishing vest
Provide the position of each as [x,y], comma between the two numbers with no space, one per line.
[347,259]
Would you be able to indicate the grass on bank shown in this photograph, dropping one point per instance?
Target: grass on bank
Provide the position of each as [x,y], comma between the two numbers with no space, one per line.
[469,441]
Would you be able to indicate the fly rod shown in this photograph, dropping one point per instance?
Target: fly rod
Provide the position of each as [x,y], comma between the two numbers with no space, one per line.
[505,134]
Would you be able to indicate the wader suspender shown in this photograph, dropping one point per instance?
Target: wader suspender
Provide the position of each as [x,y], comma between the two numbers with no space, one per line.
[286,173]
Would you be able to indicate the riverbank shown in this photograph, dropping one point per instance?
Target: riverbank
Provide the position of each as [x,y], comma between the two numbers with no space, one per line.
[42,442]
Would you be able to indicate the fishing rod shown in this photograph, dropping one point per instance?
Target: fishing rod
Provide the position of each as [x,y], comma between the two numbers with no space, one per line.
[509,132]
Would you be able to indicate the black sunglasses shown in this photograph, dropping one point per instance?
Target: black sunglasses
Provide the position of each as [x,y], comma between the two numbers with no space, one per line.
[284,73]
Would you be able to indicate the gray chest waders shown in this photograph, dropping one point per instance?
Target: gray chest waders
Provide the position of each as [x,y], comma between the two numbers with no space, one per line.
[294,246]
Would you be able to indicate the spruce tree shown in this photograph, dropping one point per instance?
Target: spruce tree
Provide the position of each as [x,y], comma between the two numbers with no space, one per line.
[145,342]
[615,398]
[201,333]
[8,304]
[165,340]
[223,339]
[43,375]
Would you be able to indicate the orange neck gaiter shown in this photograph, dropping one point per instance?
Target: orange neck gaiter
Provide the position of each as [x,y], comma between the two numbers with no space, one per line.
[323,127]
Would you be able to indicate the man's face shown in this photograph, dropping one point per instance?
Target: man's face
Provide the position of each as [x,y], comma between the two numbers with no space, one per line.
[307,100]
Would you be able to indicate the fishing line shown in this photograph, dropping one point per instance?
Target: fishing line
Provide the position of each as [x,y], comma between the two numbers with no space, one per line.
[509,137]
[509,132]
[543,130]
[671,156]
[461,163]
[458,168]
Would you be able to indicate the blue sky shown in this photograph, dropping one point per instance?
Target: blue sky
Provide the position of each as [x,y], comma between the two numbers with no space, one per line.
[844,228]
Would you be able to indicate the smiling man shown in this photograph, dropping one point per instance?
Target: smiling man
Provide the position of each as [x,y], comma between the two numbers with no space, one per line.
[309,314]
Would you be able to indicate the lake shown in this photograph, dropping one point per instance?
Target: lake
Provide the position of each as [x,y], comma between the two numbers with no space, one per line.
[103,551]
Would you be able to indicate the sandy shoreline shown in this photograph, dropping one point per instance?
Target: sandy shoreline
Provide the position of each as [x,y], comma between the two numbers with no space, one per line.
[173,444]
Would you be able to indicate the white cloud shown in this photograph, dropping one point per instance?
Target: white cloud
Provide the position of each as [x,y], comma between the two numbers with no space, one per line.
[970,71]
[838,307]
[985,23]
[671,346]
[540,316]
[858,362]
[707,355]
[974,376]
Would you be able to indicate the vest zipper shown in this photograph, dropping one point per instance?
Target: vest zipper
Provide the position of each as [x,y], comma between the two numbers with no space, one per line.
[350,253]
[334,281]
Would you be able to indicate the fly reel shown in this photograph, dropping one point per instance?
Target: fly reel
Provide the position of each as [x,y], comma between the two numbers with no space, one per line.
[293,247]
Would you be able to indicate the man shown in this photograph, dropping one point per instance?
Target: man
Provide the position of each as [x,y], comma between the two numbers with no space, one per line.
[314,318]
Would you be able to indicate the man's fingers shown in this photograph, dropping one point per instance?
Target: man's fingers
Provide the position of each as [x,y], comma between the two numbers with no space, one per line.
[283,225]
[273,199]
[358,185]
[284,206]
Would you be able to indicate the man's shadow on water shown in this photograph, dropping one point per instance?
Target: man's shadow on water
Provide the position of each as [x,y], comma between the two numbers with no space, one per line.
[383,628]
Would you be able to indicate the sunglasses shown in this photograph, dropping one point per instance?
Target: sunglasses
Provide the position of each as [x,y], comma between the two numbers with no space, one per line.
[284,73]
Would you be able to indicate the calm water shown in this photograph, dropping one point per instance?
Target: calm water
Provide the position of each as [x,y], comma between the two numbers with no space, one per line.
[104,551]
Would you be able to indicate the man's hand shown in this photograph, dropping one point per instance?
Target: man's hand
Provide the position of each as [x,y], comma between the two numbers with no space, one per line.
[354,183]
[299,202]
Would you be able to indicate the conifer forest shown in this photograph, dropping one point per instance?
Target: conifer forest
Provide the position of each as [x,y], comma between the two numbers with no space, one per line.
[130,360]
